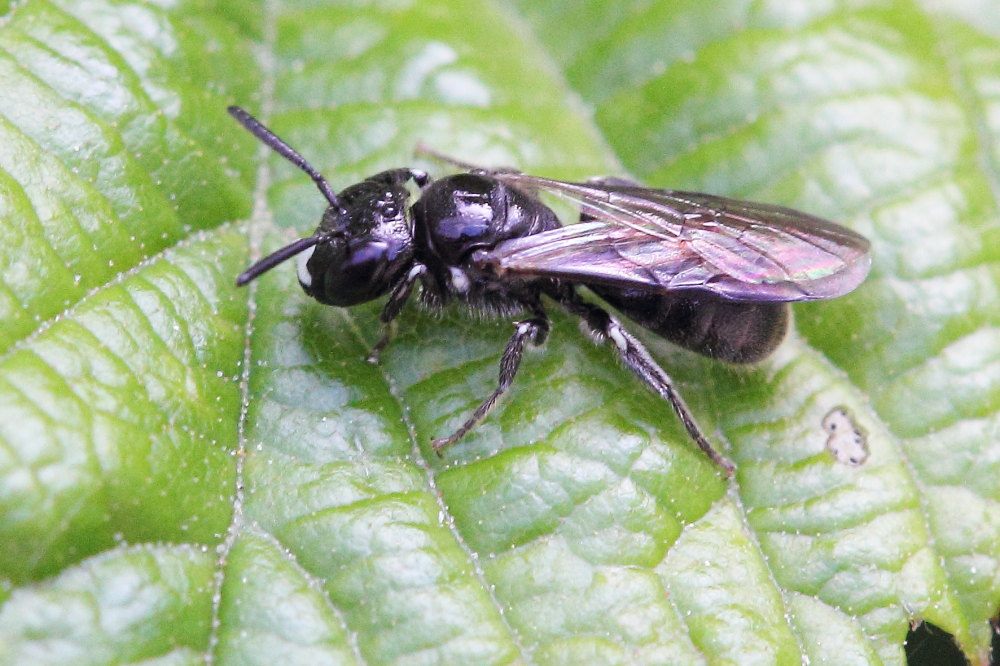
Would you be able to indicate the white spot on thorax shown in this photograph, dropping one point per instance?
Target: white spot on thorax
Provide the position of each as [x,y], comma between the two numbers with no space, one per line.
[459,280]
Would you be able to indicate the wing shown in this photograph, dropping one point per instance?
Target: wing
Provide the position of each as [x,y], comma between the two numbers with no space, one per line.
[665,240]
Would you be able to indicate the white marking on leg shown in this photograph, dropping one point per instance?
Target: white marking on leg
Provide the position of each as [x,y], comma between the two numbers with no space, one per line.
[616,333]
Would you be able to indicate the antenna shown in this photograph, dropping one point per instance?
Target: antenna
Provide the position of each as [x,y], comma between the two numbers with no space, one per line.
[274,142]
[275,258]
[423,149]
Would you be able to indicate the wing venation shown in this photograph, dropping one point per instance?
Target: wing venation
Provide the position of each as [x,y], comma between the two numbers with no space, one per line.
[666,240]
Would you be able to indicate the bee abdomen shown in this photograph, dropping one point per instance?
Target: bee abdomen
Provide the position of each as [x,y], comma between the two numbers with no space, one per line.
[731,331]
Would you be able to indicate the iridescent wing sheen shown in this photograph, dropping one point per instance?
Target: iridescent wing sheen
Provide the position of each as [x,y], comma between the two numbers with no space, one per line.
[666,240]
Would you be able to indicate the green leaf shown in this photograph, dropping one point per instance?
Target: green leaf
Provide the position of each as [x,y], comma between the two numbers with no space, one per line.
[190,469]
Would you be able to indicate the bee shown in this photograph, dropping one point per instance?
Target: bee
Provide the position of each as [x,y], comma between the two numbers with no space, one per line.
[711,274]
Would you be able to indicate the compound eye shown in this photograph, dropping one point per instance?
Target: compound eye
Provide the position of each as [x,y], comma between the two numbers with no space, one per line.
[366,261]
[364,274]
[347,274]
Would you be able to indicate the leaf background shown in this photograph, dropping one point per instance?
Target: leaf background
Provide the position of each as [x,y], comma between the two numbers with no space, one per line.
[190,469]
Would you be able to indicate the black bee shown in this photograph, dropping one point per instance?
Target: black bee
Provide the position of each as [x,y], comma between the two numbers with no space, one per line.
[711,274]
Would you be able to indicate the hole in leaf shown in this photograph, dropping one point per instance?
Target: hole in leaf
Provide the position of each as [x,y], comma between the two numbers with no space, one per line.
[928,645]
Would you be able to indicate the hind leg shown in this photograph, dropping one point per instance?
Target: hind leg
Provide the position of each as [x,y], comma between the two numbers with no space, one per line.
[635,357]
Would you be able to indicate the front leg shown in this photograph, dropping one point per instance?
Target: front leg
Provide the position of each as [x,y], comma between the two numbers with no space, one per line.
[397,299]
[534,330]
[637,359]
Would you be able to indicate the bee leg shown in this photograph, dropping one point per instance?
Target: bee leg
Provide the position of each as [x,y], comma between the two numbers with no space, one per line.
[397,299]
[637,359]
[533,330]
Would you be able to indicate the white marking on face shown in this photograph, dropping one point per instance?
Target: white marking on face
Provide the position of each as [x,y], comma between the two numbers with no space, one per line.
[305,278]
[459,280]
[847,441]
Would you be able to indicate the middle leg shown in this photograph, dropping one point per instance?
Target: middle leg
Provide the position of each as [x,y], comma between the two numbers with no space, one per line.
[533,330]
[397,299]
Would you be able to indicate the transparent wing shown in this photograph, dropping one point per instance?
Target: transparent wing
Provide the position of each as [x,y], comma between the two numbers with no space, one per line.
[665,240]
